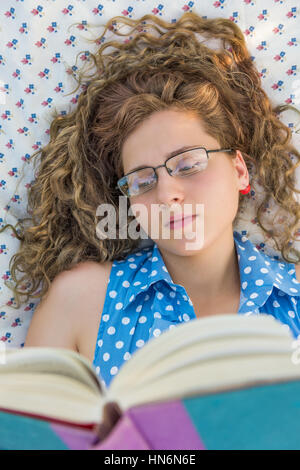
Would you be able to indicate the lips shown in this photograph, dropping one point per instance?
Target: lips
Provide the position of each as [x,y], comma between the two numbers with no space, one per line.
[174,223]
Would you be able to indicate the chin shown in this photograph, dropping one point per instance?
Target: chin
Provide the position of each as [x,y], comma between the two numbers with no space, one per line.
[183,247]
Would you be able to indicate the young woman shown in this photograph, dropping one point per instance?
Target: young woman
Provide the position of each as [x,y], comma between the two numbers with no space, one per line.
[164,122]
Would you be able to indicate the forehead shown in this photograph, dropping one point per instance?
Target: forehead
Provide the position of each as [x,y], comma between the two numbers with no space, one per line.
[162,133]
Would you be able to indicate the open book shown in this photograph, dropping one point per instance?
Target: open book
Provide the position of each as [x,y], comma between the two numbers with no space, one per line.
[200,358]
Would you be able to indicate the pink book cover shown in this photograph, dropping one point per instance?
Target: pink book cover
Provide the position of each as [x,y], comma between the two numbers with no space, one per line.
[161,426]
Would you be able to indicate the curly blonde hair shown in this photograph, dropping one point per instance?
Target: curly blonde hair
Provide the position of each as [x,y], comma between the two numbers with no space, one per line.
[80,166]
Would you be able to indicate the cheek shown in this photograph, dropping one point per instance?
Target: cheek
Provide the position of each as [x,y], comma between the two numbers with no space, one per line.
[142,211]
[217,192]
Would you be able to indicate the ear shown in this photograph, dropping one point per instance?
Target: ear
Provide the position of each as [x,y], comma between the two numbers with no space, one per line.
[241,170]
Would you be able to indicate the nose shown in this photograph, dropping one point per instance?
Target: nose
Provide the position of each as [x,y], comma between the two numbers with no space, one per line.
[169,189]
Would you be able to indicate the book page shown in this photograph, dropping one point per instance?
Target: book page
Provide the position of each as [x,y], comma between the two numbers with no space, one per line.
[191,358]
[58,361]
[51,396]
[212,377]
[204,331]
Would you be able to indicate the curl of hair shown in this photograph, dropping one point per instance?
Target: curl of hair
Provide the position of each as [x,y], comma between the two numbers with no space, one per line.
[167,68]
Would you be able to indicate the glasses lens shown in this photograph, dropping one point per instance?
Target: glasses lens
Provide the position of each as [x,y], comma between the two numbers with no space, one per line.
[137,182]
[184,164]
[188,163]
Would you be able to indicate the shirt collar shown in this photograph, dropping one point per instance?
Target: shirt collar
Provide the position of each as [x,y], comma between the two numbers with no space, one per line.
[259,274]
[151,271]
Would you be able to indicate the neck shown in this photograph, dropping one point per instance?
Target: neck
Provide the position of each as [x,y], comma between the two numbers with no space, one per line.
[209,275]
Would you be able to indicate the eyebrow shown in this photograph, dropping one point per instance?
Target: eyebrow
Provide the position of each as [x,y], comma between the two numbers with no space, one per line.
[169,155]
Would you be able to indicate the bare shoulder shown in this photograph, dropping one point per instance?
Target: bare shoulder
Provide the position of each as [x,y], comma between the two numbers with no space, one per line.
[85,273]
[297,269]
[71,301]
[82,281]
[91,279]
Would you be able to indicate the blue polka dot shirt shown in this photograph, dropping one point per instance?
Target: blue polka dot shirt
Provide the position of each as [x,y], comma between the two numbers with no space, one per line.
[142,301]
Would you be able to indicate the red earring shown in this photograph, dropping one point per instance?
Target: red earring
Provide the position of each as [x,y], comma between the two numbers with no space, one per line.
[246,190]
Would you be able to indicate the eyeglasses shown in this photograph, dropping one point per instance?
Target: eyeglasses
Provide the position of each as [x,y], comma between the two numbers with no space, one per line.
[186,163]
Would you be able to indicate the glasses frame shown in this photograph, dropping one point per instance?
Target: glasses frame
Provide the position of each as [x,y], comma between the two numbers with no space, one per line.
[154,168]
